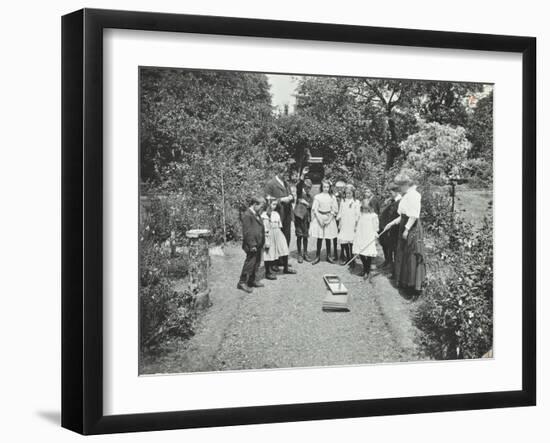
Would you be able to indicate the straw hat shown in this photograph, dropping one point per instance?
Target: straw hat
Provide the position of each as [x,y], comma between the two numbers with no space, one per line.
[405,178]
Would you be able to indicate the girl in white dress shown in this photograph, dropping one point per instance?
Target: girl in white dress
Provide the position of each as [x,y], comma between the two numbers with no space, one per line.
[276,246]
[364,241]
[323,220]
[348,214]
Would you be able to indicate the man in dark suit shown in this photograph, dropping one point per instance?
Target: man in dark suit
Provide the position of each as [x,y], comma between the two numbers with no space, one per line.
[253,244]
[388,240]
[279,188]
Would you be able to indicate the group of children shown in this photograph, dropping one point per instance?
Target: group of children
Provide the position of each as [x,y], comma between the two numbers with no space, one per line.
[339,217]
[333,215]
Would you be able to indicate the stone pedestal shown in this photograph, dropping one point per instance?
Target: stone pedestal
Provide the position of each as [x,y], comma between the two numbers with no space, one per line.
[199,261]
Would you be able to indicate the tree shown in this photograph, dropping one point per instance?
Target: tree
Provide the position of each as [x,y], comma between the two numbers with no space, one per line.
[298,133]
[480,128]
[437,152]
[338,123]
[446,102]
[186,113]
[357,116]
[392,102]
[200,126]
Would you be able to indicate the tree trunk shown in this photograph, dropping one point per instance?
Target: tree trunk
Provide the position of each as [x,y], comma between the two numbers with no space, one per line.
[392,147]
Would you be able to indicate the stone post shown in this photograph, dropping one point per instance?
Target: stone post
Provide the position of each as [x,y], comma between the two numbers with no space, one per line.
[199,261]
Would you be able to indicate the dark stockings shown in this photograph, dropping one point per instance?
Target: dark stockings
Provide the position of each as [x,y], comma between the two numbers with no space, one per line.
[346,251]
[320,245]
[366,264]
[301,241]
[284,261]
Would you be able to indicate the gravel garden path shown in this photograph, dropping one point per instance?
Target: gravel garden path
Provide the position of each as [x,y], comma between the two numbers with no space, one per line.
[282,325]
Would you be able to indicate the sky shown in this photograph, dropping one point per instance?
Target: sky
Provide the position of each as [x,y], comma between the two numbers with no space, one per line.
[282,90]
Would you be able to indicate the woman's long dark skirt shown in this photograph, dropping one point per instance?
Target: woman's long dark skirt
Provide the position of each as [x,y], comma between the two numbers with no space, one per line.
[410,267]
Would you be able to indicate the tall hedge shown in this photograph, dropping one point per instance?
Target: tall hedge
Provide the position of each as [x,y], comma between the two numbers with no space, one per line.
[201,130]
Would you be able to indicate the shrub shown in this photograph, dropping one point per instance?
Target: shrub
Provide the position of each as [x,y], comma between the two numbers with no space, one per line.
[179,212]
[436,211]
[479,172]
[203,135]
[446,229]
[369,172]
[456,312]
[164,312]
[438,152]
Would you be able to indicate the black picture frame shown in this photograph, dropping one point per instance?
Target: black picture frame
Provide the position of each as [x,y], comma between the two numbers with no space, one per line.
[82,218]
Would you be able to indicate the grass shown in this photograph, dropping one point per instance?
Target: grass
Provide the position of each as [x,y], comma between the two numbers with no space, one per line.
[473,204]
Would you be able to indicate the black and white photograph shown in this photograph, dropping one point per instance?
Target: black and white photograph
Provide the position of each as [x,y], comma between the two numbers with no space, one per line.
[295,221]
[323,220]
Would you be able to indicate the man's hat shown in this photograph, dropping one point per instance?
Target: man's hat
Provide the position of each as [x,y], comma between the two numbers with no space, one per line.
[308,183]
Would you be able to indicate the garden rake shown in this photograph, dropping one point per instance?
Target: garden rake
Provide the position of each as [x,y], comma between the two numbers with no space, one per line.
[351,260]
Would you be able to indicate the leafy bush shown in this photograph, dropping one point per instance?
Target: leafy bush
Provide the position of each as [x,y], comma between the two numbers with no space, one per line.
[203,135]
[480,128]
[438,152]
[479,172]
[436,210]
[456,311]
[164,312]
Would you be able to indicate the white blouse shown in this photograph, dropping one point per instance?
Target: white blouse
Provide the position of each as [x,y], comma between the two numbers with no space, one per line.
[325,203]
[409,204]
[274,221]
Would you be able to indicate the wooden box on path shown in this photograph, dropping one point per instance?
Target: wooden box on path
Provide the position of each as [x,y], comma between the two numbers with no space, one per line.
[336,298]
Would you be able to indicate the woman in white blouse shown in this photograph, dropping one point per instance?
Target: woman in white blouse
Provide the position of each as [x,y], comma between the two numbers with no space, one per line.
[410,267]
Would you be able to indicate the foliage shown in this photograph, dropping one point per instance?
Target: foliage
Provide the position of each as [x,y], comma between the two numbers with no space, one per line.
[456,311]
[164,313]
[480,129]
[205,135]
[379,113]
[220,115]
[437,152]
[369,170]
[334,120]
[359,113]
[479,172]
[436,211]
[446,102]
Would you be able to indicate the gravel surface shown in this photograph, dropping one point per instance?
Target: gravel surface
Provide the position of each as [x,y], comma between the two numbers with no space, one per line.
[282,325]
